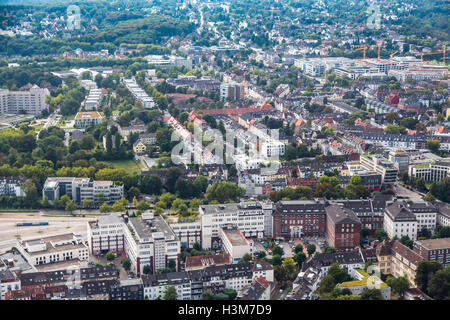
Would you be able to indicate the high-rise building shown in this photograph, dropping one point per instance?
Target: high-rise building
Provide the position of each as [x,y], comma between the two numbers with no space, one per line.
[30,100]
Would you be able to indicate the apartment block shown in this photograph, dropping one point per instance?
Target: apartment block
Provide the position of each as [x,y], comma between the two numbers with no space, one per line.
[398,260]
[231,91]
[30,100]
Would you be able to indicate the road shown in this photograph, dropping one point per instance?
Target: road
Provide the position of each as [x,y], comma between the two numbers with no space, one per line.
[52,120]
[403,192]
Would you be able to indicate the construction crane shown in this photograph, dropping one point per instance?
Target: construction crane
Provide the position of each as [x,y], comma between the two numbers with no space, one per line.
[443,51]
[390,59]
[364,47]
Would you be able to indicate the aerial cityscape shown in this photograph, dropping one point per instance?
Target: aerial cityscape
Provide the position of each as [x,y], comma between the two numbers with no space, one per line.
[224,150]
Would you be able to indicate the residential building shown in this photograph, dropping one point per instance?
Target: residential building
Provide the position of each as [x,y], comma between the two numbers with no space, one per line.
[434,250]
[176,61]
[8,281]
[139,94]
[231,91]
[131,289]
[139,147]
[259,289]
[85,119]
[191,284]
[29,99]
[398,260]
[201,262]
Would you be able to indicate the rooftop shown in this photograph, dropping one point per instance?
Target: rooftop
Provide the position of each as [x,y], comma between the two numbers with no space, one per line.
[434,244]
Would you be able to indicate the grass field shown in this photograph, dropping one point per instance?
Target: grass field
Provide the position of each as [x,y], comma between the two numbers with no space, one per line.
[128,165]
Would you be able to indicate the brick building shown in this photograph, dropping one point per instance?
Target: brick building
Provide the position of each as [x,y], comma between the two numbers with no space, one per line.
[295,219]
[343,228]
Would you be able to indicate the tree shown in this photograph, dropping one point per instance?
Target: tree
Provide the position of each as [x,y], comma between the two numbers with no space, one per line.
[134,192]
[276,260]
[71,206]
[299,258]
[298,248]
[326,285]
[170,293]
[87,203]
[231,293]
[142,205]
[118,206]
[439,286]
[207,295]
[424,273]
[201,183]
[172,176]
[290,267]
[392,116]
[245,258]
[371,294]
[433,145]
[365,232]
[104,208]
[87,142]
[355,180]
[110,256]
[311,248]
[399,285]
[407,241]
[261,254]
[197,246]
[31,194]
[146,269]
[277,250]
[429,197]
[126,263]
[339,274]
[381,234]
[224,191]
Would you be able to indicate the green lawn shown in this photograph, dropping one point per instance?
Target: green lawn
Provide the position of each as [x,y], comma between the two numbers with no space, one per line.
[128,165]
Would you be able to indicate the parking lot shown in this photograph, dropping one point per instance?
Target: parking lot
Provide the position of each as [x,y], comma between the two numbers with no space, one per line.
[288,246]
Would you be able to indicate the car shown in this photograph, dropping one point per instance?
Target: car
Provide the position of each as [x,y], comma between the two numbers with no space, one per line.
[281,291]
